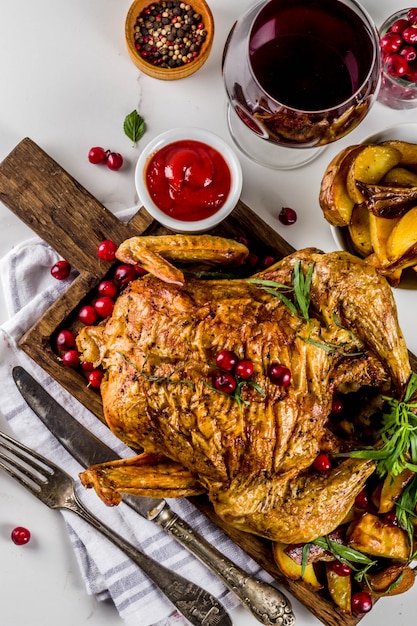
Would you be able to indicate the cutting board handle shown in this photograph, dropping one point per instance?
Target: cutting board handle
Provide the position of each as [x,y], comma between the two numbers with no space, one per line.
[58,209]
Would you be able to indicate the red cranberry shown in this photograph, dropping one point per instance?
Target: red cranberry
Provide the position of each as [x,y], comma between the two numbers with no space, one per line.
[341,569]
[390,42]
[412,15]
[97,155]
[107,288]
[409,53]
[244,369]
[252,260]
[396,65]
[362,500]
[287,216]
[124,274]
[71,358]
[391,518]
[337,406]
[104,306]
[225,382]
[226,360]
[361,602]
[114,161]
[94,378]
[61,270]
[280,374]
[107,250]
[140,271]
[87,315]
[20,535]
[399,26]
[243,240]
[87,366]
[412,72]
[410,35]
[268,261]
[65,339]
[322,463]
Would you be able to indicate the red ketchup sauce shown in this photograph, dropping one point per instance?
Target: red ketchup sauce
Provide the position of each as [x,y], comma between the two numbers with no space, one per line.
[188,180]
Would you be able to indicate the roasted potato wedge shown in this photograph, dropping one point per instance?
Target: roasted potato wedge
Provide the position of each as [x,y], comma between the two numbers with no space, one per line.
[392,487]
[334,199]
[399,177]
[380,229]
[408,151]
[293,570]
[373,536]
[359,230]
[403,236]
[369,166]
[340,589]
[374,187]
[391,581]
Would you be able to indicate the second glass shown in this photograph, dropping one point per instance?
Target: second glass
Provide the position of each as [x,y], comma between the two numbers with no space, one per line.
[299,76]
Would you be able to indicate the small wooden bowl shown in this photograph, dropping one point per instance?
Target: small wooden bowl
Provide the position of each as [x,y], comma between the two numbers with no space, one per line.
[199,6]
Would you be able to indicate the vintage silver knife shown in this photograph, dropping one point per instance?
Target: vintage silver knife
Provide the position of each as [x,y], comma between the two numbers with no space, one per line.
[264,601]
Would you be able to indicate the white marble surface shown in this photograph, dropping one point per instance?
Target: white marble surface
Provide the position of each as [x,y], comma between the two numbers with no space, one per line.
[67,83]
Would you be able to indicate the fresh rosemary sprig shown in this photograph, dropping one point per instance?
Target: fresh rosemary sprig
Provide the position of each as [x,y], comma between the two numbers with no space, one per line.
[300,305]
[330,347]
[359,563]
[398,436]
[160,379]
[405,510]
[300,290]
[237,394]
[346,554]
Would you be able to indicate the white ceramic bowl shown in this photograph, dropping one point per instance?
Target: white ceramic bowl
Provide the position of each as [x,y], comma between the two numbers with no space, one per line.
[208,138]
[402,132]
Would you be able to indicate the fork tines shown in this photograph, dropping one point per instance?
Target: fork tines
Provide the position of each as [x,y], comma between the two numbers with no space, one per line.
[25,465]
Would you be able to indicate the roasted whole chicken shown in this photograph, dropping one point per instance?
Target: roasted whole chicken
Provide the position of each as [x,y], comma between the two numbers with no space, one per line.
[251,451]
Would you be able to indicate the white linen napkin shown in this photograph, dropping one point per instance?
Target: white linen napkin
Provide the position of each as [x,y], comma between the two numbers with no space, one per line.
[29,289]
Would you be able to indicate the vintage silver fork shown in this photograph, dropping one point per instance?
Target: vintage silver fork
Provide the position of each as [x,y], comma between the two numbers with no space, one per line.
[56,489]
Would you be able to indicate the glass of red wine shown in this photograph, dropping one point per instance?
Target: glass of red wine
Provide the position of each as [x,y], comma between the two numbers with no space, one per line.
[298,76]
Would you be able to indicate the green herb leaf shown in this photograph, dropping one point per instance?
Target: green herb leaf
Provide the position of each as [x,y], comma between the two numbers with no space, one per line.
[397,446]
[283,299]
[346,554]
[256,386]
[300,289]
[160,379]
[237,394]
[304,557]
[405,510]
[329,347]
[134,126]
[411,387]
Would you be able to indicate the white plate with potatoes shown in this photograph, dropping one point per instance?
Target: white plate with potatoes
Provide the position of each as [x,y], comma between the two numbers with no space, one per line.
[368,194]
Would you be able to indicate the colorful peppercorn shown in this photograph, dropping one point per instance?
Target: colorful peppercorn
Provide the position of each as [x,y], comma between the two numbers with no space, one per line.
[169,34]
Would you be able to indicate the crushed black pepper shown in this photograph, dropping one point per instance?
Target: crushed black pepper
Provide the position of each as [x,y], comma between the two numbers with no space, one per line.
[169,34]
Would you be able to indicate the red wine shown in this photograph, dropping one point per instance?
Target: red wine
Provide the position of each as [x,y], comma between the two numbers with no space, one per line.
[309,55]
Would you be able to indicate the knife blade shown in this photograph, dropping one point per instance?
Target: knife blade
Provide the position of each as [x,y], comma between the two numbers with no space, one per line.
[269,605]
[85,447]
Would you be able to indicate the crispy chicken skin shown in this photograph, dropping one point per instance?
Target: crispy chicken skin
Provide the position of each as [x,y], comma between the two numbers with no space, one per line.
[253,458]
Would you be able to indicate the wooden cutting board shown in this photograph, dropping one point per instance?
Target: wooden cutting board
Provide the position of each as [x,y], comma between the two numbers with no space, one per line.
[64,214]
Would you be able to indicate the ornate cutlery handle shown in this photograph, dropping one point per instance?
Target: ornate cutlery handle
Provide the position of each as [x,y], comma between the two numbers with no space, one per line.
[265,602]
[196,604]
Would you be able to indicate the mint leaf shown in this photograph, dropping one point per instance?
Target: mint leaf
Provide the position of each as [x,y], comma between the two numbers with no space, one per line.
[134,126]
